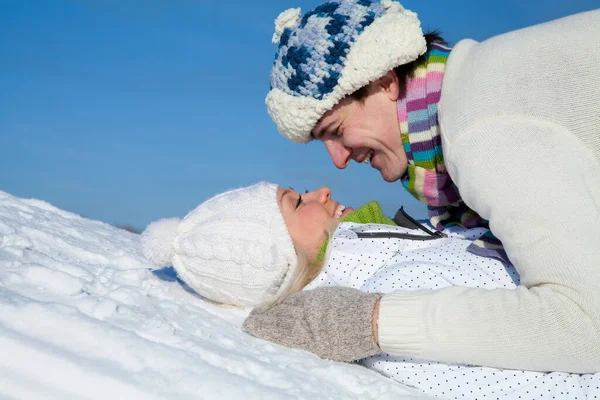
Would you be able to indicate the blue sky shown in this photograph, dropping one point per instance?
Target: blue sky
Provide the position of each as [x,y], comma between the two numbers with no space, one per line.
[131,110]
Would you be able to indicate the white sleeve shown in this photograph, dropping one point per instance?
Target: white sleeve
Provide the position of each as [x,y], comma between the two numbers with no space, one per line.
[540,189]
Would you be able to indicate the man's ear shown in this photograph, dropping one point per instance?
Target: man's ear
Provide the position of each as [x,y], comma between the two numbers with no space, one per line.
[390,85]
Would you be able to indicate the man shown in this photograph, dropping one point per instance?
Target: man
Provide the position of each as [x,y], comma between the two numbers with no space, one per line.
[489,134]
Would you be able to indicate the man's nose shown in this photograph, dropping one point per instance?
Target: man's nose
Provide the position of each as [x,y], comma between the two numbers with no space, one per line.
[339,154]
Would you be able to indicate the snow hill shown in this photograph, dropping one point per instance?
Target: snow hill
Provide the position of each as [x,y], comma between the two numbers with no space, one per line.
[83,315]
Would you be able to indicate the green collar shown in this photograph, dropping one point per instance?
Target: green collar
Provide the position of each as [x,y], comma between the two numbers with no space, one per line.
[370,213]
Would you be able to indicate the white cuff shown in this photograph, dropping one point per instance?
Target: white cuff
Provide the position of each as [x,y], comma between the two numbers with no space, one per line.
[400,326]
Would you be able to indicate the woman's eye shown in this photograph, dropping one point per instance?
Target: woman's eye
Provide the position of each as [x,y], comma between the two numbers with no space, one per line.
[299,201]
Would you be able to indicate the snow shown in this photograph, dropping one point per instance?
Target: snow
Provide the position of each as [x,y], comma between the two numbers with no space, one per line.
[82,315]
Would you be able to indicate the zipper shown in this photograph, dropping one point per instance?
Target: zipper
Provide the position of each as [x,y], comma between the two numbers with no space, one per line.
[431,235]
[421,226]
[399,235]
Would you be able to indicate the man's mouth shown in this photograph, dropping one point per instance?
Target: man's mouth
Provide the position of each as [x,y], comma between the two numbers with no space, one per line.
[367,159]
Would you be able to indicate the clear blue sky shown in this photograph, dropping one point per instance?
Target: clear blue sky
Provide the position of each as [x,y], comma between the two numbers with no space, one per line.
[131,110]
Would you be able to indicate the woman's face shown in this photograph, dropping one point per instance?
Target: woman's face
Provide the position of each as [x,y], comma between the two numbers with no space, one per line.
[309,217]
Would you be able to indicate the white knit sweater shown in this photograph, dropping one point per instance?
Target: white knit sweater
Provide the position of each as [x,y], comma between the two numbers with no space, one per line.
[520,124]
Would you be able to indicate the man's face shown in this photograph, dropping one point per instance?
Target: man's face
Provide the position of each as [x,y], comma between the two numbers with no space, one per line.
[366,130]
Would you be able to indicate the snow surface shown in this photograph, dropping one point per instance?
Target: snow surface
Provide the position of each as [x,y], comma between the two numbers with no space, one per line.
[82,315]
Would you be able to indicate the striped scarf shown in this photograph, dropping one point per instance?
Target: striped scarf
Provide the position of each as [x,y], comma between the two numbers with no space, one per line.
[427,178]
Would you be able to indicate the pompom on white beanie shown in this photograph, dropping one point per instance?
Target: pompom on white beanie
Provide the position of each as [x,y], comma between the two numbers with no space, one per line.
[330,52]
[233,249]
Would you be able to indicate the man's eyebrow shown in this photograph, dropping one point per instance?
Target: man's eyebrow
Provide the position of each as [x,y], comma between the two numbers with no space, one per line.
[321,132]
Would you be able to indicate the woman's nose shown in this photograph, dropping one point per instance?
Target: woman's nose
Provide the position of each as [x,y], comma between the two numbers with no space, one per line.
[323,193]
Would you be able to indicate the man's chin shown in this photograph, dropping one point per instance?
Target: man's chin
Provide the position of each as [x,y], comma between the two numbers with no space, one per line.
[388,177]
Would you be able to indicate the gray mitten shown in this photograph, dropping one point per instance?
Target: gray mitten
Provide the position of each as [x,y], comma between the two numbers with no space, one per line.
[333,322]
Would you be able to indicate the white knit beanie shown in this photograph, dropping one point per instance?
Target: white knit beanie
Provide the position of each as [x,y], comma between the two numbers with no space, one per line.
[330,52]
[233,249]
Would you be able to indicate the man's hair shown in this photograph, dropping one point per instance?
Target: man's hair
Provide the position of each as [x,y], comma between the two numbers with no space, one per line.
[406,71]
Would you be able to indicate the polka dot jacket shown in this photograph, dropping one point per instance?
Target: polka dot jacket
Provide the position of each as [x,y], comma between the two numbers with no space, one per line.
[380,258]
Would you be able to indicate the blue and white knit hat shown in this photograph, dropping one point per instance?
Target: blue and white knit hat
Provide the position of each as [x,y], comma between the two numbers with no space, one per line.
[332,51]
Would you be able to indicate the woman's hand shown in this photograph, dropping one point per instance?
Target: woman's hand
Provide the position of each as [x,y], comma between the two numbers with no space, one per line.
[335,323]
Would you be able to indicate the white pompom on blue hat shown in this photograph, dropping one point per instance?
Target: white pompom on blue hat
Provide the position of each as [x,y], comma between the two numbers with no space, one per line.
[234,248]
[330,52]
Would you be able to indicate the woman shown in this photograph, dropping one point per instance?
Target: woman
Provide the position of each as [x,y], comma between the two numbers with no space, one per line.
[255,245]
[502,134]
